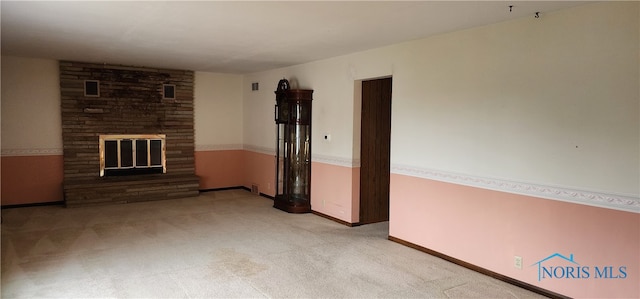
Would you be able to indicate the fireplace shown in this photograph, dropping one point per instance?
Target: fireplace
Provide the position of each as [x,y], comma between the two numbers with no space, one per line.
[127,140]
[132,154]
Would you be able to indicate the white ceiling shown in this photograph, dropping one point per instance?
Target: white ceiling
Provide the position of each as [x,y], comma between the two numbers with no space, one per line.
[235,36]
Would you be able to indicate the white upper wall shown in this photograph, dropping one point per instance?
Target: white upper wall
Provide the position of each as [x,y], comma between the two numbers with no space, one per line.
[258,112]
[553,101]
[31,118]
[332,112]
[218,111]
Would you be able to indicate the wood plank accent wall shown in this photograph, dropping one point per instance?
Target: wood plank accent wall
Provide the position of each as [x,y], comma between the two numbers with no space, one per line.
[129,102]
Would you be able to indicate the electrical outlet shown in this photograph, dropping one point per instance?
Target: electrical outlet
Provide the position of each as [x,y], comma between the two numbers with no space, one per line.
[517,262]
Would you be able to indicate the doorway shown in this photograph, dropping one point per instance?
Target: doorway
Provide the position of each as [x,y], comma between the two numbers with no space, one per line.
[375,150]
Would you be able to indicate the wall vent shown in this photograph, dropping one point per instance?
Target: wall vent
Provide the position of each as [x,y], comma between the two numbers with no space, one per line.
[255,190]
[169,91]
[91,88]
[255,86]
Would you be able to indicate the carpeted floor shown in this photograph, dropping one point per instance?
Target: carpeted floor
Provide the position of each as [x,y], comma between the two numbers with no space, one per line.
[220,244]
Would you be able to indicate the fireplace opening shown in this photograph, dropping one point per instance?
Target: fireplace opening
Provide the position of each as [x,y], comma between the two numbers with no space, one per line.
[132,154]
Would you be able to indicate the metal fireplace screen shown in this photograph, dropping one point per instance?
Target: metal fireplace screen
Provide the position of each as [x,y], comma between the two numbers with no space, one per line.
[132,154]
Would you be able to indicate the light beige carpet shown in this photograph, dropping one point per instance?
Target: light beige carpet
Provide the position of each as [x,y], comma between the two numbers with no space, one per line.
[220,244]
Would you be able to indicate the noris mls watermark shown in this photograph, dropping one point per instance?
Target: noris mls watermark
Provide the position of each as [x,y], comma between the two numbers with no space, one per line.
[558,266]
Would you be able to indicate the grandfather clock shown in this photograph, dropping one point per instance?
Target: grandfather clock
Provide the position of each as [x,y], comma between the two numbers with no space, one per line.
[293,149]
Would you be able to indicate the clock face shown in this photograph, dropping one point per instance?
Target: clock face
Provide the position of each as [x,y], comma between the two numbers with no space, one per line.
[283,111]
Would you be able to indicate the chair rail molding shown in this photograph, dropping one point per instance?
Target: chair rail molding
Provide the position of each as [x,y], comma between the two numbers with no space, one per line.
[259,149]
[15,152]
[217,147]
[333,160]
[622,202]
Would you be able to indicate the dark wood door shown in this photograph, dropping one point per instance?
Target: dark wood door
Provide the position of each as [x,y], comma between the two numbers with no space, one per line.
[375,147]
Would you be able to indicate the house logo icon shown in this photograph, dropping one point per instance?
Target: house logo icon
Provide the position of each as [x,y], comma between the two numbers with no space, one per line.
[550,272]
[558,266]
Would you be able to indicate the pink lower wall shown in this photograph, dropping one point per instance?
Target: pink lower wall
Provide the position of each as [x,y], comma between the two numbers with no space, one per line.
[38,179]
[260,170]
[31,179]
[220,169]
[332,191]
[488,228]
[355,194]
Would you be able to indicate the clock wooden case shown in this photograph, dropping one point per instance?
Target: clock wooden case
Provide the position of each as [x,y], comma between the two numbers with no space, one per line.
[293,149]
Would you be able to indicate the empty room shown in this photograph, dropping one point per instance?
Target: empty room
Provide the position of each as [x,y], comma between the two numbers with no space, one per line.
[314,149]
